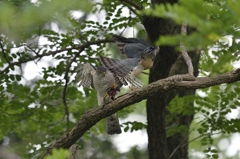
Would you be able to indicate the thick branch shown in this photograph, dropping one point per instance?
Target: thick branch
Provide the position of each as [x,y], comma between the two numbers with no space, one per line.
[92,116]
[54,53]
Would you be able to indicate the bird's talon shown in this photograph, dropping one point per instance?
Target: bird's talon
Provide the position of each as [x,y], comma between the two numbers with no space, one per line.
[132,88]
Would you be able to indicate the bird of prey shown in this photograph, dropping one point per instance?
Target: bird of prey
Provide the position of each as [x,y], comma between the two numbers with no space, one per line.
[106,84]
[140,56]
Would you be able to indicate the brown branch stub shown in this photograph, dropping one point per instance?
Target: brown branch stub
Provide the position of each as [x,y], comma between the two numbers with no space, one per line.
[184,51]
[92,116]
[74,152]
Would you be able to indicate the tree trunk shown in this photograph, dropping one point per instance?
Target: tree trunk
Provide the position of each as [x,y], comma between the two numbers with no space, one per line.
[167,63]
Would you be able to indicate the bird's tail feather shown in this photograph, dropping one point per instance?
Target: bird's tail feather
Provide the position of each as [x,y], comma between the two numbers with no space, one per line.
[136,82]
[112,125]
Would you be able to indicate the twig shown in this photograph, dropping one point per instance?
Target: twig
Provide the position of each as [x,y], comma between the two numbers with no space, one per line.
[135,5]
[185,137]
[191,141]
[74,152]
[132,3]
[54,53]
[66,84]
[184,51]
[145,73]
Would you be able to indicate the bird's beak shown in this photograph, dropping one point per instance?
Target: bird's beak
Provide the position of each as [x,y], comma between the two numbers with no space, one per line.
[103,74]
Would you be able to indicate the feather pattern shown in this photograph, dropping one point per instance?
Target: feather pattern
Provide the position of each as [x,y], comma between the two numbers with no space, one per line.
[84,75]
[101,80]
[119,67]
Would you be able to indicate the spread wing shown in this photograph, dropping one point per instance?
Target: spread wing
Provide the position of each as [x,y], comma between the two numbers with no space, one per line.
[85,74]
[131,47]
[119,67]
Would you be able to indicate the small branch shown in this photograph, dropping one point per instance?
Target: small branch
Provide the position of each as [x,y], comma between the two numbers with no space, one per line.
[145,73]
[66,84]
[184,51]
[74,152]
[180,144]
[132,3]
[200,137]
[54,53]
[92,116]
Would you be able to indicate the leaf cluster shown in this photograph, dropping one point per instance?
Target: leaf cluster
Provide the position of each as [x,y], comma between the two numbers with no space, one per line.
[208,18]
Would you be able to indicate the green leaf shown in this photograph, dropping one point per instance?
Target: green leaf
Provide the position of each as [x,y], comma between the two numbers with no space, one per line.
[58,154]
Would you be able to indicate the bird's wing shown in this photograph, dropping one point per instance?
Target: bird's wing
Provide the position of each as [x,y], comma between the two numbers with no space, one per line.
[136,82]
[131,47]
[119,67]
[85,74]
[129,40]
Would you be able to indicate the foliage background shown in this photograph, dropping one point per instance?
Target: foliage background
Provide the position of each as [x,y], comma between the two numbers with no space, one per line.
[37,110]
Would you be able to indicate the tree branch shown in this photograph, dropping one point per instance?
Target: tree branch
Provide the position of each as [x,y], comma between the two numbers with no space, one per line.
[92,116]
[54,53]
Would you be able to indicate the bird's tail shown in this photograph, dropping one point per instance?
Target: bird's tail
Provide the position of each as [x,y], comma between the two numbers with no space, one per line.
[112,125]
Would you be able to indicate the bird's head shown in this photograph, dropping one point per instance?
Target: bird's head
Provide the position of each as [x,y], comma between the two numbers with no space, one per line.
[101,71]
[150,52]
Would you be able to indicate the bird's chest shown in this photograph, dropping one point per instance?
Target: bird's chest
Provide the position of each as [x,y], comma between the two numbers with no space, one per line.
[101,84]
[146,63]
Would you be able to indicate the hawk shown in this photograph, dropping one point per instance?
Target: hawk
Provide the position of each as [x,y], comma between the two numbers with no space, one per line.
[106,84]
[140,56]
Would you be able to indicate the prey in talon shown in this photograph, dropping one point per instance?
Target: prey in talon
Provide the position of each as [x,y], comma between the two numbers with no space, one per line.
[112,91]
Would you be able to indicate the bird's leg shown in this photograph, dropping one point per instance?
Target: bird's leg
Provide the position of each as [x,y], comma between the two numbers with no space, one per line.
[132,86]
[111,88]
[137,70]
[115,84]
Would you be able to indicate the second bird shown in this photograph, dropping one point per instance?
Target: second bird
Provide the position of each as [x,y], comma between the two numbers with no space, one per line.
[140,56]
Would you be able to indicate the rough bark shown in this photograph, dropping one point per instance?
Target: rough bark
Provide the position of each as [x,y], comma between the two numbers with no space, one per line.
[92,116]
[180,67]
[168,63]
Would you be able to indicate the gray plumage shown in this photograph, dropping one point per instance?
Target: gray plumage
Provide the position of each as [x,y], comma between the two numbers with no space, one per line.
[140,56]
[101,80]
